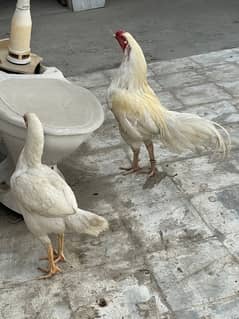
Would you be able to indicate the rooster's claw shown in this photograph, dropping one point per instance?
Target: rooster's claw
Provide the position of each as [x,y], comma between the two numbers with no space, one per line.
[129,170]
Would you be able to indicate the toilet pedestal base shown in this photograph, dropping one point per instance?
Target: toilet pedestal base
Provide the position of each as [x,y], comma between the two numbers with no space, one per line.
[6,170]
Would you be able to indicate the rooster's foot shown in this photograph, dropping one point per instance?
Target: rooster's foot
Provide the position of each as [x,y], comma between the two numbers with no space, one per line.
[130,170]
[153,169]
[152,172]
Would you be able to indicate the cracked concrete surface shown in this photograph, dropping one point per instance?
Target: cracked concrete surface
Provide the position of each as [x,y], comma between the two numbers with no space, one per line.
[172,250]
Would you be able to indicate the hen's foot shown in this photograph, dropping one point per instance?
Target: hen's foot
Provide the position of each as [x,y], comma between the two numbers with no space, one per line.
[53,269]
[55,255]
[49,272]
[60,257]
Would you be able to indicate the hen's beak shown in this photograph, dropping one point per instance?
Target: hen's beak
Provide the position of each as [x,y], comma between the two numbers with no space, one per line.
[114,35]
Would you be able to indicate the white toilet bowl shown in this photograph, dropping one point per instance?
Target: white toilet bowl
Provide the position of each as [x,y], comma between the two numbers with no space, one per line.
[68,112]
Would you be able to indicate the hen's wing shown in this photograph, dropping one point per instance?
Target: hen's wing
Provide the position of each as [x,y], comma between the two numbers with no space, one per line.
[42,191]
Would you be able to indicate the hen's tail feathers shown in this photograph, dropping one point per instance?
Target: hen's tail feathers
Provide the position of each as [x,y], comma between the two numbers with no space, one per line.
[190,131]
[86,222]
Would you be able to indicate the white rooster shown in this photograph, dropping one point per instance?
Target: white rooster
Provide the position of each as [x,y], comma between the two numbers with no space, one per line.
[141,117]
[45,200]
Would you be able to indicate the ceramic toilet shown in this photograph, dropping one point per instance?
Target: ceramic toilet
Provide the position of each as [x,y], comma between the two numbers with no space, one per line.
[68,112]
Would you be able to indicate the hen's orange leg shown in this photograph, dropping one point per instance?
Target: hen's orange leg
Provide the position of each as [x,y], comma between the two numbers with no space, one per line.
[60,255]
[55,254]
[153,168]
[135,164]
[53,269]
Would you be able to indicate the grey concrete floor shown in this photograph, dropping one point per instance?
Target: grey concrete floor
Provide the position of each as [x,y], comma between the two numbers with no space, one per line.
[82,42]
[172,249]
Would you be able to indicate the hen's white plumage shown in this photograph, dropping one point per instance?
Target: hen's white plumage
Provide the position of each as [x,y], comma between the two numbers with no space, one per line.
[141,117]
[45,200]
[52,196]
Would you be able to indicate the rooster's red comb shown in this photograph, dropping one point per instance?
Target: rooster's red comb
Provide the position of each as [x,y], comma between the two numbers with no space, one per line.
[119,32]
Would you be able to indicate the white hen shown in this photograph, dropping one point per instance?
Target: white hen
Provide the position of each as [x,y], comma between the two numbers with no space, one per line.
[45,200]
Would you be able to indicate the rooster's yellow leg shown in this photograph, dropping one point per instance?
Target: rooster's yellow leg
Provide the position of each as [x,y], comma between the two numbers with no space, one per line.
[53,269]
[135,164]
[60,255]
[153,168]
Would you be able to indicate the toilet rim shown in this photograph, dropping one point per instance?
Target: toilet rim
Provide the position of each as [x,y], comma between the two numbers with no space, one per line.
[16,119]
[13,117]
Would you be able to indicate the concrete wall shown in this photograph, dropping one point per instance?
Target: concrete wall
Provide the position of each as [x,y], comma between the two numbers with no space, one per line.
[80,5]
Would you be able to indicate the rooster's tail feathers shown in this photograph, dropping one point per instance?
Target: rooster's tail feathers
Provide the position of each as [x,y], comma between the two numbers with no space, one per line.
[189,131]
[86,222]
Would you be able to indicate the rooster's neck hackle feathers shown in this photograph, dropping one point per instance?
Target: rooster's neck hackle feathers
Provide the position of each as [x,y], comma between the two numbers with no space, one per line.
[132,78]
[135,61]
[133,69]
